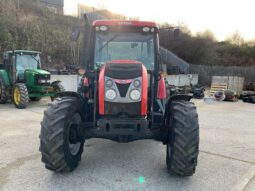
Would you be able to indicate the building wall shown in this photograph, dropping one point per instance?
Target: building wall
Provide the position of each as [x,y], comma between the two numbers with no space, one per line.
[84,9]
[70,82]
[54,2]
[56,6]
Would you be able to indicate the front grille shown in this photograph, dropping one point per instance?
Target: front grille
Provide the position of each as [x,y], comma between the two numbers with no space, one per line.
[129,109]
[123,71]
[42,77]
[123,88]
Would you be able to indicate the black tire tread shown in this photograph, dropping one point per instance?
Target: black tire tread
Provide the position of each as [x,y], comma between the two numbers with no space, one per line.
[24,99]
[52,143]
[184,139]
[4,94]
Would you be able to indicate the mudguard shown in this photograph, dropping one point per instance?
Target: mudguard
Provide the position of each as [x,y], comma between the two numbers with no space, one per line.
[82,101]
[165,125]
[70,93]
[4,76]
[176,97]
[55,82]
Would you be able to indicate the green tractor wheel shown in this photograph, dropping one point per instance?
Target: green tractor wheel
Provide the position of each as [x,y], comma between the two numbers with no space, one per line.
[35,98]
[20,96]
[3,93]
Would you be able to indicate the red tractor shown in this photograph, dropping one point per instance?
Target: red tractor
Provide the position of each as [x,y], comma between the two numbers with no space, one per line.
[122,98]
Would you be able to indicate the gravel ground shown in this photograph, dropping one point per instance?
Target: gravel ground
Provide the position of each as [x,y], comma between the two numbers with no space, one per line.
[226,159]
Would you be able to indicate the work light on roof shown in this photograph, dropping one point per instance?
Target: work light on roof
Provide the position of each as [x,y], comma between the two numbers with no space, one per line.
[103,28]
[146,29]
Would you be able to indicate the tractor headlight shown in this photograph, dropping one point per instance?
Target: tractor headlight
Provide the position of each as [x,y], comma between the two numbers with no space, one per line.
[135,95]
[40,81]
[110,94]
[109,83]
[137,83]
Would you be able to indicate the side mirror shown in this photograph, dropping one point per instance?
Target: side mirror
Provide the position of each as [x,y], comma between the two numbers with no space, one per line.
[170,34]
[177,34]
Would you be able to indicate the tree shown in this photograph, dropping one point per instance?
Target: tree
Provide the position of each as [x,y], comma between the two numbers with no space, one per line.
[207,34]
[236,39]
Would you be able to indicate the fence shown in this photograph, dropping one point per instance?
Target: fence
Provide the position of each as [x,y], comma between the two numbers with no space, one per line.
[205,73]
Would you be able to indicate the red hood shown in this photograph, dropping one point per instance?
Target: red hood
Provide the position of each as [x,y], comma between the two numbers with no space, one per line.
[123,62]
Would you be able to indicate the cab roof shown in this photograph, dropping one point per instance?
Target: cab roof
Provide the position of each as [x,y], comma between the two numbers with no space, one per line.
[124,23]
[23,51]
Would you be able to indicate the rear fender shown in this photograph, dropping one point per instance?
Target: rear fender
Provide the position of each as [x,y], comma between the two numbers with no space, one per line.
[82,102]
[165,130]
[175,98]
[69,94]
[5,78]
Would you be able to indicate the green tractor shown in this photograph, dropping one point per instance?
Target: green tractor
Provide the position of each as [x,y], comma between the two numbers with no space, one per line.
[22,79]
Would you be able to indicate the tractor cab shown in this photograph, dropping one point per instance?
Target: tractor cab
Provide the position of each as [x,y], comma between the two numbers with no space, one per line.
[121,98]
[24,61]
[19,61]
[124,41]
[21,78]
[125,54]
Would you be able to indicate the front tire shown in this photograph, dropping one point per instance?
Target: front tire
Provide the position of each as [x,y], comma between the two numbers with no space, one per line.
[183,141]
[61,145]
[20,96]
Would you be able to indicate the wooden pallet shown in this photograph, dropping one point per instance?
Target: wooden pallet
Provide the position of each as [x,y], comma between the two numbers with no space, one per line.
[218,87]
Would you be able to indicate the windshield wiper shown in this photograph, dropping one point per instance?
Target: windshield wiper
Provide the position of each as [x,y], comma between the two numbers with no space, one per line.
[102,47]
[38,62]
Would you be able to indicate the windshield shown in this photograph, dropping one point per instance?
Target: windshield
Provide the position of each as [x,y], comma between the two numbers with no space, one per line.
[124,46]
[27,61]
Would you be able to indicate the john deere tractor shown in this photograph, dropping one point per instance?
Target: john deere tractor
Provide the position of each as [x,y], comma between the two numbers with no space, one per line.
[22,79]
[121,98]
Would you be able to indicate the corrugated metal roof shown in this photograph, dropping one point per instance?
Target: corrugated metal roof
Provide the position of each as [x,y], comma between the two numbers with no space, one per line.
[54,2]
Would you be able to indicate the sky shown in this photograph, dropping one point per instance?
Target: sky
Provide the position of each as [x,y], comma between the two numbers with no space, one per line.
[222,17]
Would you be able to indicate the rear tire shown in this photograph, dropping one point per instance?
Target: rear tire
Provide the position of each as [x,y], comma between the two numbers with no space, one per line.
[183,141]
[20,96]
[58,153]
[3,93]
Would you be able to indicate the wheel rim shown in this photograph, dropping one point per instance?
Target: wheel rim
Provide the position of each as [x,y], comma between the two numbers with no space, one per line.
[75,121]
[16,95]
